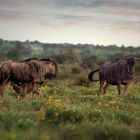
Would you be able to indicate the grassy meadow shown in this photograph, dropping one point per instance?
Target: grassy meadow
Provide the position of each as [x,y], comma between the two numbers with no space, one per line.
[71,107]
[71,110]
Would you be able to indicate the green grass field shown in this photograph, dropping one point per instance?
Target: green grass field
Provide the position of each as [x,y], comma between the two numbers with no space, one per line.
[71,110]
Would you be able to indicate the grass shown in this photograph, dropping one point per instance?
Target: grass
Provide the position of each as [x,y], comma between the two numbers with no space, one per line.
[70,111]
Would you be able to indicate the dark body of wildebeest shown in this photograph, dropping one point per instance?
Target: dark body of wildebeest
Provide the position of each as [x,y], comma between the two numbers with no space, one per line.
[27,71]
[24,88]
[115,72]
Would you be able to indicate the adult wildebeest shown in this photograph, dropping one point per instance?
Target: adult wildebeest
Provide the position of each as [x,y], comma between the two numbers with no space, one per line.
[27,71]
[115,72]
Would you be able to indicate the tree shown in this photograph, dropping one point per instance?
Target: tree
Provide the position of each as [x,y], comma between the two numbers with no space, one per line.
[15,53]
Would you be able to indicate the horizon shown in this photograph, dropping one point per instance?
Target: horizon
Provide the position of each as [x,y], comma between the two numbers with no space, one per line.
[96,22]
[22,41]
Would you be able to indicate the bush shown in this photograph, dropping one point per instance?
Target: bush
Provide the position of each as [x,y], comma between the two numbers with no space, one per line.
[75,70]
[55,115]
[11,120]
[82,81]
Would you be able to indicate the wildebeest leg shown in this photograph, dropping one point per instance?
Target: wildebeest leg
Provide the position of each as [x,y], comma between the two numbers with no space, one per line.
[2,86]
[126,87]
[38,91]
[105,87]
[0,90]
[34,86]
[119,88]
[20,95]
[101,85]
[22,91]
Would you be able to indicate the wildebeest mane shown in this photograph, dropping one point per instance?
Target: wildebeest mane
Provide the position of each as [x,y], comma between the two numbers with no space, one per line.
[27,60]
[114,60]
[36,65]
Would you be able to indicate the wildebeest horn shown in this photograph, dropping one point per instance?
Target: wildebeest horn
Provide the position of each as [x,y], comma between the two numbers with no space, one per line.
[123,57]
[136,59]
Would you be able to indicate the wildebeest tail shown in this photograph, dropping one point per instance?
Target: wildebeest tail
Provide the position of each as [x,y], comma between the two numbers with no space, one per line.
[0,75]
[90,75]
[56,68]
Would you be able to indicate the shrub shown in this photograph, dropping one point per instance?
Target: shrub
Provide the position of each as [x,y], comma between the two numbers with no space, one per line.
[82,81]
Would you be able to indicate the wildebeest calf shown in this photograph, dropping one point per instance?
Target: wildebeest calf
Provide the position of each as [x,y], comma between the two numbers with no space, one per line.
[24,88]
[115,72]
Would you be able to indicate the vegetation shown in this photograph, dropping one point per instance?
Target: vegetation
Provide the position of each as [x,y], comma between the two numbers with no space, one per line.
[70,111]
[70,57]
[71,107]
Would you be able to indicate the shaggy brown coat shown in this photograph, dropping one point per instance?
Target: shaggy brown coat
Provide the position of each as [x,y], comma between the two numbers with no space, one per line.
[30,70]
[115,72]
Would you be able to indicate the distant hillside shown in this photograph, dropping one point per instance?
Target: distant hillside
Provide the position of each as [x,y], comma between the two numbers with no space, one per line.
[71,58]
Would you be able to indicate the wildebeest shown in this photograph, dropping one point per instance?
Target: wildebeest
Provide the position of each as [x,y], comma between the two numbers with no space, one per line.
[115,72]
[27,71]
[24,88]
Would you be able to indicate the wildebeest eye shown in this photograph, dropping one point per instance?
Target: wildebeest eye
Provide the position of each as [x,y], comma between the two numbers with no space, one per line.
[19,84]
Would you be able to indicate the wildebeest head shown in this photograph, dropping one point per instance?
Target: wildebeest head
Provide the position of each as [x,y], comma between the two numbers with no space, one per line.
[51,68]
[131,61]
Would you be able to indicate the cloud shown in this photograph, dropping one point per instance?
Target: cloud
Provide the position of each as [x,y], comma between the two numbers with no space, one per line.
[86,3]
[76,15]
[127,26]
[10,15]
[67,20]
[10,3]
[87,8]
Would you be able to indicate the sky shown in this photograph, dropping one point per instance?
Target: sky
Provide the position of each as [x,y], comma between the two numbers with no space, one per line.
[103,22]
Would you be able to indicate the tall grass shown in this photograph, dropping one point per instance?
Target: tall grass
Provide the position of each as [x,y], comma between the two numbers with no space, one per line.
[71,110]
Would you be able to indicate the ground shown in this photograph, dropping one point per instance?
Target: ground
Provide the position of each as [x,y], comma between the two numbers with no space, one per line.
[71,110]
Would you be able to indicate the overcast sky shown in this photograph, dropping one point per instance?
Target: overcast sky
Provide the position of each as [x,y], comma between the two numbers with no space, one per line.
[72,21]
